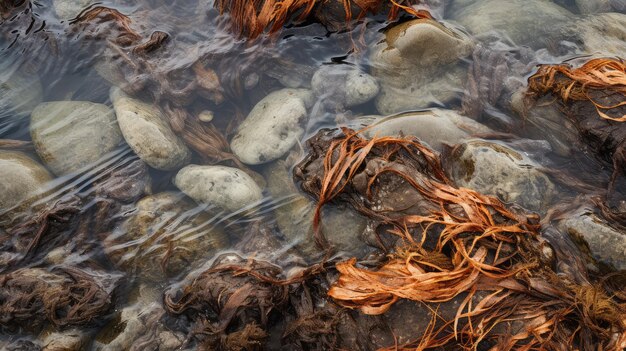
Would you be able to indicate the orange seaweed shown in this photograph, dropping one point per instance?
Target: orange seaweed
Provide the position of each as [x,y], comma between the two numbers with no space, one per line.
[607,75]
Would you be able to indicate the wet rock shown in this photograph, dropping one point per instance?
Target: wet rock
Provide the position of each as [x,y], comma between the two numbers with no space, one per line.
[606,243]
[148,133]
[294,216]
[498,170]
[20,93]
[523,21]
[67,340]
[225,187]
[602,34]
[23,180]
[69,9]
[163,237]
[71,135]
[544,121]
[435,127]
[595,6]
[418,64]
[273,127]
[343,86]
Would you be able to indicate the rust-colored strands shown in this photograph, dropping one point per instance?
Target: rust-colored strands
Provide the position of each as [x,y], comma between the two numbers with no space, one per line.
[252,17]
[593,81]
[455,243]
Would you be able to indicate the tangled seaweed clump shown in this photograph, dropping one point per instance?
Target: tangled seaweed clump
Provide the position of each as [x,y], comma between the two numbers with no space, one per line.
[455,241]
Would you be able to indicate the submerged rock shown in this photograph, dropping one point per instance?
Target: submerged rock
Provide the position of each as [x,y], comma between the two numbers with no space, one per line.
[419,64]
[67,340]
[163,237]
[23,180]
[69,9]
[435,127]
[497,170]
[20,93]
[525,22]
[294,216]
[343,86]
[606,243]
[273,127]
[595,6]
[148,133]
[70,135]
[601,34]
[225,187]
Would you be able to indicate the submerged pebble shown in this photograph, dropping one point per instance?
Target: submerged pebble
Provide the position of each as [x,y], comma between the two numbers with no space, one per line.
[436,127]
[70,135]
[273,127]
[163,237]
[225,187]
[69,9]
[148,133]
[522,21]
[20,93]
[494,169]
[419,64]
[23,180]
[343,86]
[606,243]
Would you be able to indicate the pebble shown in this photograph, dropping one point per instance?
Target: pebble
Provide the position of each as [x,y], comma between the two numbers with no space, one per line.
[606,243]
[71,135]
[525,22]
[23,180]
[436,127]
[343,85]
[227,188]
[494,169]
[164,226]
[418,64]
[20,93]
[273,127]
[148,133]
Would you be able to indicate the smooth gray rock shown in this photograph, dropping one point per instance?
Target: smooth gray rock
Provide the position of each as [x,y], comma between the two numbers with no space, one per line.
[525,22]
[419,64]
[163,236]
[69,9]
[23,180]
[148,133]
[343,85]
[225,187]
[273,127]
[435,127]
[20,93]
[71,135]
[494,169]
[603,35]
[606,243]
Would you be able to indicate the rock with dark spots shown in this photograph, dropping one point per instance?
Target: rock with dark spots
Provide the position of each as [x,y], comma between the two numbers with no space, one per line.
[163,237]
[273,127]
[148,133]
[605,242]
[23,181]
[343,86]
[435,127]
[72,135]
[525,22]
[494,169]
[227,188]
[419,63]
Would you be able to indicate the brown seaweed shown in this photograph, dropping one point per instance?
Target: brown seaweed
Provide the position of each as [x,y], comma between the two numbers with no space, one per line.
[457,241]
[252,18]
[64,296]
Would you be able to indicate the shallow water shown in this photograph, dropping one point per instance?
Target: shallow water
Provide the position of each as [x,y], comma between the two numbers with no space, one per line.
[119,217]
